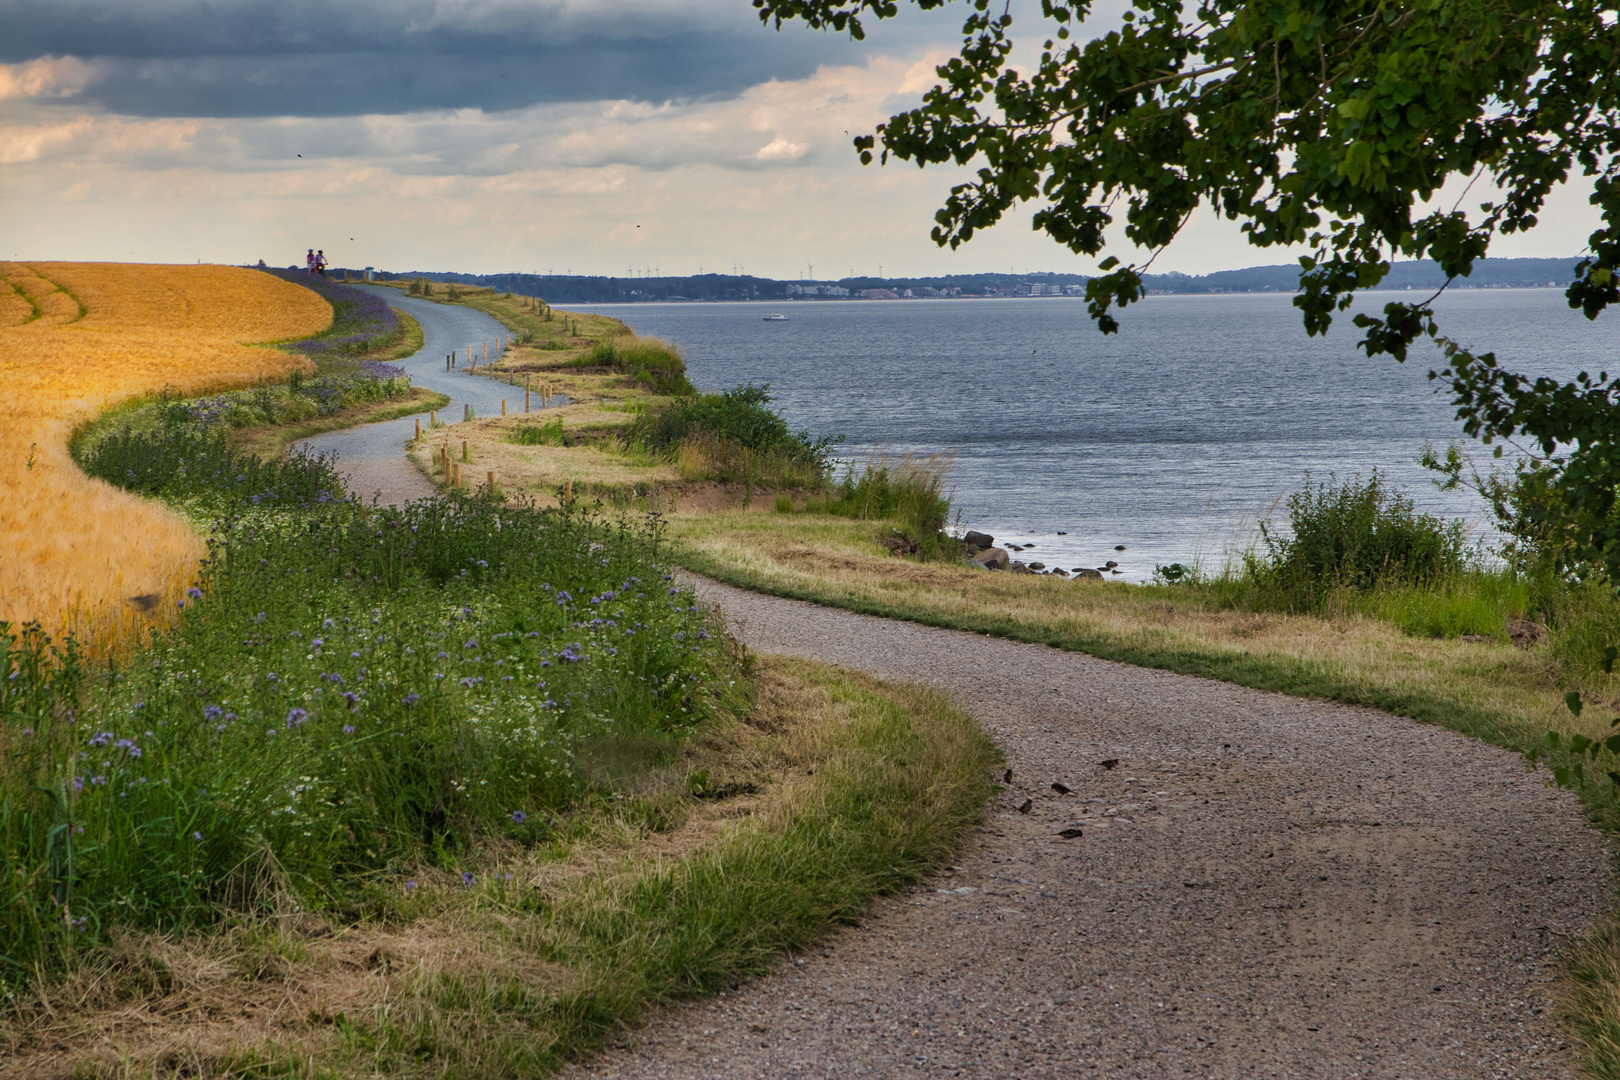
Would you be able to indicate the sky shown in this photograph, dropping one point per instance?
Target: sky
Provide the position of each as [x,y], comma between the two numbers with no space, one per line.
[617,137]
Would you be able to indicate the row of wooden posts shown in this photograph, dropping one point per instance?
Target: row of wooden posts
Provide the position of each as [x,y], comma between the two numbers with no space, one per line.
[451,359]
[528,393]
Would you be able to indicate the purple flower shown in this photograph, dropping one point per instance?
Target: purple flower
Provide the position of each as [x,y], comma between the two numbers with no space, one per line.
[194,592]
[348,729]
[409,885]
[466,877]
[317,643]
[128,746]
[296,718]
[412,699]
[197,836]
[28,731]
[519,816]
[101,738]
[212,712]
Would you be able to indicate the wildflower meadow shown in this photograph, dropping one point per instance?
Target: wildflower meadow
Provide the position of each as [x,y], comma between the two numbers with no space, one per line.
[347,693]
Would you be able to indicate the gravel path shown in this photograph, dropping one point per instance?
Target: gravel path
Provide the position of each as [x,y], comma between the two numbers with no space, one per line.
[372,457]
[1266,886]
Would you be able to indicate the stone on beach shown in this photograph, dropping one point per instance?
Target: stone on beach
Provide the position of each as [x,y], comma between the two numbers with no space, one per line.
[993,558]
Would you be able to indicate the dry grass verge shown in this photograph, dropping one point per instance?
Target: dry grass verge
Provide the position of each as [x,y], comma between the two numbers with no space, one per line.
[1489,689]
[753,841]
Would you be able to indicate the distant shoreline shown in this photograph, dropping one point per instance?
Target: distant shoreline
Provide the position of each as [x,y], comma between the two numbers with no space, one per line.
[575,289]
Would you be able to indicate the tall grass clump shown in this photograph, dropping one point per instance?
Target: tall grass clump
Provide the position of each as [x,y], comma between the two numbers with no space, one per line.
[1355,536]
[346,692]
[654,363]
[550,433]
[908,489]
[733,437]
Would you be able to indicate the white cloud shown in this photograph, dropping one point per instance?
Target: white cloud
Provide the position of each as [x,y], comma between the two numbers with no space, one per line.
[780,149]
[46,77]
[766,179]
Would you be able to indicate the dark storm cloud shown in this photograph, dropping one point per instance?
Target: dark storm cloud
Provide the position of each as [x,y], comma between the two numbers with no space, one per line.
[243,58]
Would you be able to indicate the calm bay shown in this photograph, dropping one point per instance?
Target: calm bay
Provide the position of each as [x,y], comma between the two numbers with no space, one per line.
[1174,437]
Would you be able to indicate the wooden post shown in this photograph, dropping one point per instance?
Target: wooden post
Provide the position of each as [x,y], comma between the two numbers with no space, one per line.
[503,406]
[433,418]
[418,429]
[525,399]
[456,481]
[486,350]
[464,456]
[492,479]
[568,491]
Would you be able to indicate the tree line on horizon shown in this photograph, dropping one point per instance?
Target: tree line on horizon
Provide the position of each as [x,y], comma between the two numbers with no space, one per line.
[597,289]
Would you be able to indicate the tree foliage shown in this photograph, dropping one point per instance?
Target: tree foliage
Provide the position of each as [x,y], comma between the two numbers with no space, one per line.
[1332,125]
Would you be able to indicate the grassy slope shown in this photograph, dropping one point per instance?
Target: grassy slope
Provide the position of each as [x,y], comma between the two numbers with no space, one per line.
[863,788]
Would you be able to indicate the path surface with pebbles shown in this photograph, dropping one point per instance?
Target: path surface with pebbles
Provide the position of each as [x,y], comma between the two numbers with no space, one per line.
[1265,886]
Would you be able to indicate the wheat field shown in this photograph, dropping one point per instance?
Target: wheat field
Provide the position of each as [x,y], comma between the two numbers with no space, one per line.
[79,338]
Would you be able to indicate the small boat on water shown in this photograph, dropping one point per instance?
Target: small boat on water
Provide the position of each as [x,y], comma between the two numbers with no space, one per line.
[776,318]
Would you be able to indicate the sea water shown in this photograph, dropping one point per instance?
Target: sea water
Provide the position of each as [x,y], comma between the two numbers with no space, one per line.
[1175,437]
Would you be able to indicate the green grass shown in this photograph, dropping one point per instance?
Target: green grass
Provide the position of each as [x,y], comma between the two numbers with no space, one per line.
[895,787]
[648,361]
[347,692]
[855,789]
[272,440]
[549,433]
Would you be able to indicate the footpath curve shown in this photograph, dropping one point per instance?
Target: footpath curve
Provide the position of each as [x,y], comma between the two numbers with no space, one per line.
[372,457]
[1265,886]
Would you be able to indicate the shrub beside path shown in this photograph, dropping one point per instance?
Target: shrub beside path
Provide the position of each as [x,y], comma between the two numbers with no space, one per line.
[1264,886]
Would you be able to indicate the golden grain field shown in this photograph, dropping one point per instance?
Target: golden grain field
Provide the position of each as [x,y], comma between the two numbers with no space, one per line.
[76,339]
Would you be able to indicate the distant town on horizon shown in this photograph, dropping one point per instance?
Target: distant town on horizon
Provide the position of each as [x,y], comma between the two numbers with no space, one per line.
[1284,278]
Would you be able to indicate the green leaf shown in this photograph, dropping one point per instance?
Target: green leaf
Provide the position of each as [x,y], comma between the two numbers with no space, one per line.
[1610,654]
[1573,701]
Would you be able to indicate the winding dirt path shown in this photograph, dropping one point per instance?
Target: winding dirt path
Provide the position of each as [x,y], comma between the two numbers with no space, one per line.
[1265,886]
